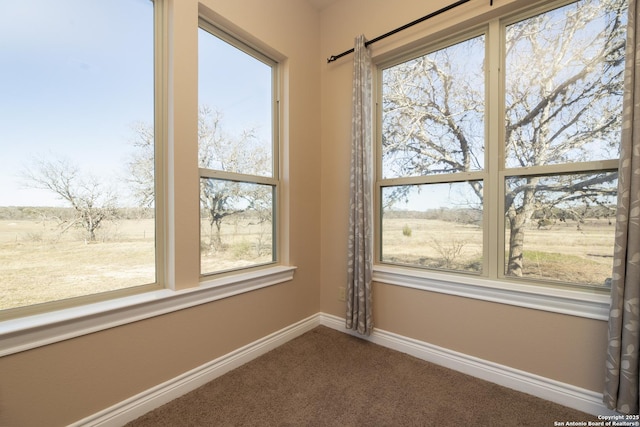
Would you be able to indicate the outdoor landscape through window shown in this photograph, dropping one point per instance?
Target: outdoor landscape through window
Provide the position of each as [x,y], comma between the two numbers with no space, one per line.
[236,154]
[77,172]
[552,189]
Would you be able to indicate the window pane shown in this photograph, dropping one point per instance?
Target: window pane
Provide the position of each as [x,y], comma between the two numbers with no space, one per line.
[561,228]
[433,225]
[236,226]
[433,112]
[235,97]
[564,76]
[76,131]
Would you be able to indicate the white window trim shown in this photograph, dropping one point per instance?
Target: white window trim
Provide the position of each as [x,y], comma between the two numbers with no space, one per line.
[30,332]
[36,330]
[547,296]
[564,301]
[229,37]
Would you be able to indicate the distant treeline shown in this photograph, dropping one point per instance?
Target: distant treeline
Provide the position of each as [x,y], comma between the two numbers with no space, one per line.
[39,213]
[462,216]
[474,216]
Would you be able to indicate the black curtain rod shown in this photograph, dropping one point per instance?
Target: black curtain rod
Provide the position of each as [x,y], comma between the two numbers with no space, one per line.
[404,27]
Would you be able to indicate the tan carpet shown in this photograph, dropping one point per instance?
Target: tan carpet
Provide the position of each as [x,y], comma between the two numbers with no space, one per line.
[328,378]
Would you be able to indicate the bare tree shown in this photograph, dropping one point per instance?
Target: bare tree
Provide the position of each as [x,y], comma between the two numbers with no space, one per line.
[566,111]
[218,150]
[562,111]
[141,165]
[92,202]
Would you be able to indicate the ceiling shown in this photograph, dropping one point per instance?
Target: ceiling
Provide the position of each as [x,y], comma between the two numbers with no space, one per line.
[321,4]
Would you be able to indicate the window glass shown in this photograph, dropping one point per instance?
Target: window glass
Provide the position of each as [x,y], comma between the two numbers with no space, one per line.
[570,231]
[77,167]
[433,112]
[237,224]
[238,185]
[548,170]
[563,109]
[433,225]
[433,127]
[236,108]
[565,105]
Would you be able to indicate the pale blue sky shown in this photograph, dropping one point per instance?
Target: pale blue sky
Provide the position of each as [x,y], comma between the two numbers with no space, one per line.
[235,83]
[75,75]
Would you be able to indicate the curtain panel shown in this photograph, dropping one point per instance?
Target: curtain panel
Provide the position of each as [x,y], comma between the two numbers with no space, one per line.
[360,245]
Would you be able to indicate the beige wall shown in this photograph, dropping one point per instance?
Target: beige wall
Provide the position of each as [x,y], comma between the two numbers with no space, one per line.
[61,383]
[560,347]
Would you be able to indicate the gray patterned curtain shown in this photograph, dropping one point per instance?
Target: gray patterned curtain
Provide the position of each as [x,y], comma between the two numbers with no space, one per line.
[621,380]
[360,262]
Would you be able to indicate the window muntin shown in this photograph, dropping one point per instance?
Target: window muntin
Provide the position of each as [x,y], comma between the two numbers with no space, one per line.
[237,153]
[74,122]
[566,155]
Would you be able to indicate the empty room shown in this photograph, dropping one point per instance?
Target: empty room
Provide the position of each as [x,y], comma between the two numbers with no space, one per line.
[362,212]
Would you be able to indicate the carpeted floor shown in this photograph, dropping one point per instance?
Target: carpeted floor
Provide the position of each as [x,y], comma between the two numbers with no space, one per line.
[328,378]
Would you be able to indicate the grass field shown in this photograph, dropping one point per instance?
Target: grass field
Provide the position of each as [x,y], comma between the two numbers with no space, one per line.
[39,263]
[244,243]
[560,252]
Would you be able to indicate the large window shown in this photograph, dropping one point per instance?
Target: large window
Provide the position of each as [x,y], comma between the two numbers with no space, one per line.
[498,150]
[237,153]
[431,188]
[77,180]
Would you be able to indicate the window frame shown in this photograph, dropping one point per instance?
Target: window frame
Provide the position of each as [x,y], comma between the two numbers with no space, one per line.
[159,127]
[380,182]
[177,286]
[492,284]
[503,172]
[273,180]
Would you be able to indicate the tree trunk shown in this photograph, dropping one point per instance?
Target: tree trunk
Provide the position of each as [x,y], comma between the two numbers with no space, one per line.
[215,239]
[218,242]
[91,228]
[516,243]
[517,219]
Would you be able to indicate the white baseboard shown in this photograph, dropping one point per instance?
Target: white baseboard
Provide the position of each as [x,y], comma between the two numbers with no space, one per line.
[555,391]
[138,405]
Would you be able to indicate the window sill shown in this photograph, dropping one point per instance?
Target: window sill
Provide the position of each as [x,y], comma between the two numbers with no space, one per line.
[26,333]
[555,300]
